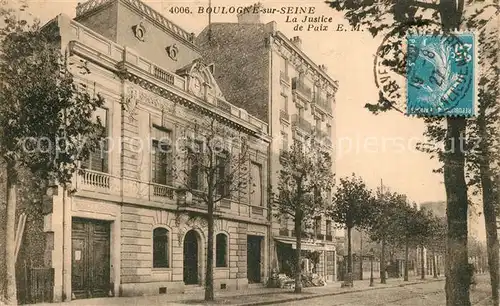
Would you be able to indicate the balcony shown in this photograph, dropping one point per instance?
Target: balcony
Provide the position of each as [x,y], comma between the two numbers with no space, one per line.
[284,77]
[302,89]
[162,191]
[284,115]
[301,123]
[94,179]
[323,104]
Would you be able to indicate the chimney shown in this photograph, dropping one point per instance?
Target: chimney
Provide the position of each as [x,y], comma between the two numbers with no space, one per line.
[323,68]
[251,14]
[297,41]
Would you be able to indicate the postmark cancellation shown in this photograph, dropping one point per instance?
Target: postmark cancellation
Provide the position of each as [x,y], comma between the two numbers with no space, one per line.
[441,74]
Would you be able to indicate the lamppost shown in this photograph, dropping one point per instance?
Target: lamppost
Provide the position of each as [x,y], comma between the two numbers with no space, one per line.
[371,267]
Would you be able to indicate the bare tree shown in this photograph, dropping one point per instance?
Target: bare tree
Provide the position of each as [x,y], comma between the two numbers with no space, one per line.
[211,168]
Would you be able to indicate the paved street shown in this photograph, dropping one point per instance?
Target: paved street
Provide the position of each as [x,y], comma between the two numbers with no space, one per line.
[395,293]
[431,294]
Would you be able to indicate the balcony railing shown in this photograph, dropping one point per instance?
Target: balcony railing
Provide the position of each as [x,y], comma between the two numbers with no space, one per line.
[95,179]
[284,77]
[322,103]
[301,88]
[284,115]
[301,123]
[164,75]
[163,191]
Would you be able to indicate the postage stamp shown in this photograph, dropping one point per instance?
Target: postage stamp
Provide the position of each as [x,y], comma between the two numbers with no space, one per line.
[441,75]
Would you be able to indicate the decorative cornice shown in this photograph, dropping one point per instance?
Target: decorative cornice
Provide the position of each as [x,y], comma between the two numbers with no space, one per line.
[133,75]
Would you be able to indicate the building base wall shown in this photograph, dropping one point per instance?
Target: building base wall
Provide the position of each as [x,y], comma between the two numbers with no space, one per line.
[155,288]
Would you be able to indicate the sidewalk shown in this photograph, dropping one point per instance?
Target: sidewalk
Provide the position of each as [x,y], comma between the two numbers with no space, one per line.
[248,297]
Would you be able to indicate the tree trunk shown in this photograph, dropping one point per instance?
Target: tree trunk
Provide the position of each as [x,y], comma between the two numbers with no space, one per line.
[491,232]
[209,275]
[434,264]
[382,262]
[298,249]
[406,260]
[489,197]
[457,283]
[360,255]
[348,282]
[10,289]
[422,263]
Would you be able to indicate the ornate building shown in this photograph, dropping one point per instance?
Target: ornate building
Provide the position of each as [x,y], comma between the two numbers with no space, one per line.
[270,76]
[124,227]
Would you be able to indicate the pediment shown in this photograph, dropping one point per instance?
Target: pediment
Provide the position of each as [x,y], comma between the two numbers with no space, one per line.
[199,76]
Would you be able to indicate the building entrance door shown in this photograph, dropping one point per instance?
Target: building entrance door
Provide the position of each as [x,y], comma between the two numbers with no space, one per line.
[254,258]
[90,266]
[191,249]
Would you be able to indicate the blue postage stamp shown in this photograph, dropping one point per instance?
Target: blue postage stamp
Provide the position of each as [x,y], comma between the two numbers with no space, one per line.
[441,75]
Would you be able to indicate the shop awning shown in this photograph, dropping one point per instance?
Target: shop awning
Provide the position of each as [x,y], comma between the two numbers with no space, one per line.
[307,246]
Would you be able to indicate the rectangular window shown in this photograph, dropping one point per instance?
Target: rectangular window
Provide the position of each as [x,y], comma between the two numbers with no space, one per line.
[317,226]
[301,112]
[328,227]
[222,179]
[256,193]
[284,139]
[98,158]
[284,65]
[161,160]
[195,165]
[284,103]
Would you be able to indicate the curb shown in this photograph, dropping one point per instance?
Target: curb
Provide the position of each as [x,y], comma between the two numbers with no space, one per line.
[301,298]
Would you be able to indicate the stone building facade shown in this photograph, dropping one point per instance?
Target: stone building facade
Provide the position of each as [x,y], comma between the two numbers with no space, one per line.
[271,77]
[124,229]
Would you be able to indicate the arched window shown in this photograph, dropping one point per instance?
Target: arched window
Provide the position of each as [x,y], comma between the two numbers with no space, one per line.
[160,248]
[221,250]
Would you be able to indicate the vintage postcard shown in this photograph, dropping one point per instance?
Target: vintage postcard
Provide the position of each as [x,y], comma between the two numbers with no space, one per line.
[196,152]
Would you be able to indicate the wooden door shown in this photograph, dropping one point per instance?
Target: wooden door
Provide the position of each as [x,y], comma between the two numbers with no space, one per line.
[191,250]
[253,259]
[90,258]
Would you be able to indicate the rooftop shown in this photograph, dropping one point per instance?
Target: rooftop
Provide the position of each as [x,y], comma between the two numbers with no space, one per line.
[93,5]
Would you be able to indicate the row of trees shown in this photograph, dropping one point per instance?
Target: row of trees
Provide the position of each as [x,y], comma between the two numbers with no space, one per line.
[305,183]
[388,218]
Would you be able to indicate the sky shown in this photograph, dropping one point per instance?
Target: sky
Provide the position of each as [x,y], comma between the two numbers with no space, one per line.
[375,147]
